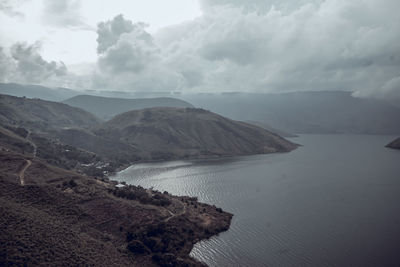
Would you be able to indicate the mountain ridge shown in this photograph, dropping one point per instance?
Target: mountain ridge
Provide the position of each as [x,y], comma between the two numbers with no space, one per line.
[108,107]
[37,112]
[312,112]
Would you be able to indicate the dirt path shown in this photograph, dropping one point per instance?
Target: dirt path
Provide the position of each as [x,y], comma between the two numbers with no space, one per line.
[32,144]
[22,172]
[173,215]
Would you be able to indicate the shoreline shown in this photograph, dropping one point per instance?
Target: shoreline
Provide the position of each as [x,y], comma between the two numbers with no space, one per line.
[194,158]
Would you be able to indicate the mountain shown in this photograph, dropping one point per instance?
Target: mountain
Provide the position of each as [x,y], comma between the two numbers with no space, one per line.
[40,114]
[271,129]
[74,139]
[305,112]
[395,144]
[58,208]
[36,91]
[170,133]
[107,107]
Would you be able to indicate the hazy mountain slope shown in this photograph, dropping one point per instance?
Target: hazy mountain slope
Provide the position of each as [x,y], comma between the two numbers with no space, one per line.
[306,112]
[9,140]
[395,144]
[37,113]
[36,91]
[106,107]
[74,139]
[165,133]
[271,129]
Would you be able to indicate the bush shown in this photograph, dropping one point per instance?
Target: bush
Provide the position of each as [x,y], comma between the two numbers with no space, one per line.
[137,247]
[72,183]
[140,194]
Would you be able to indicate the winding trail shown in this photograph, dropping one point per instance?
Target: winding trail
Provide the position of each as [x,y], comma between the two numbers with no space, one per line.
[22,172]
[32,143]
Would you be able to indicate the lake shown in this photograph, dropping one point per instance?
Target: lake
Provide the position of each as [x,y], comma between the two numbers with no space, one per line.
[334,201]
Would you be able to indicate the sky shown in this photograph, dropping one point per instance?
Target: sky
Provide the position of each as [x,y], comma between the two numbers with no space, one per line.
[203,45]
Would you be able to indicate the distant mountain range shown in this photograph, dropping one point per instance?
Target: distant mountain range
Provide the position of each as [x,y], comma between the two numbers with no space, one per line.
[324,112]
[37,114]
[61,94]
[36,91]
[306,112]
[106,107]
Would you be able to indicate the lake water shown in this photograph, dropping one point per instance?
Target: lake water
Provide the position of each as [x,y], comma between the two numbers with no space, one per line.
[335,201]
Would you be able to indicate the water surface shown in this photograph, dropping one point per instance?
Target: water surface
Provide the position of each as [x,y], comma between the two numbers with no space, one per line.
[332,202]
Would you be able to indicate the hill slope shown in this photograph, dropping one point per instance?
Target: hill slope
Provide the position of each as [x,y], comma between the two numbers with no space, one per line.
[395,144]
[74,139]
[271,129]
[60,218]
[36,91]
[107,107]
[167,133]
[35,113]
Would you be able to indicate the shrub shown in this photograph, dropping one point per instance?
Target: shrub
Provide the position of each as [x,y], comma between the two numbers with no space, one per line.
[72,183]
[137,247]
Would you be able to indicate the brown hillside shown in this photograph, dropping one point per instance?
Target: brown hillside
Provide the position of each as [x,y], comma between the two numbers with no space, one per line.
[60,218]
[37,113]
[188,132]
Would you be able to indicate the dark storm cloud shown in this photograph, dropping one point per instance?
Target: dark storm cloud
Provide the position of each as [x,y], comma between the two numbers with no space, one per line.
[266,46]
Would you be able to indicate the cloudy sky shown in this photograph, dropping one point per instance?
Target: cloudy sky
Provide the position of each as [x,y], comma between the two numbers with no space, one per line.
[203,45]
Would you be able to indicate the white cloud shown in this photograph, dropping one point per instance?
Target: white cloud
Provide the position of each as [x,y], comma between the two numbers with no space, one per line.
[9,7]
[64,13]
[25,64]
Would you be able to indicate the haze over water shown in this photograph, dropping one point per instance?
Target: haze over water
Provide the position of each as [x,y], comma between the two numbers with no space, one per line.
[332,202]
